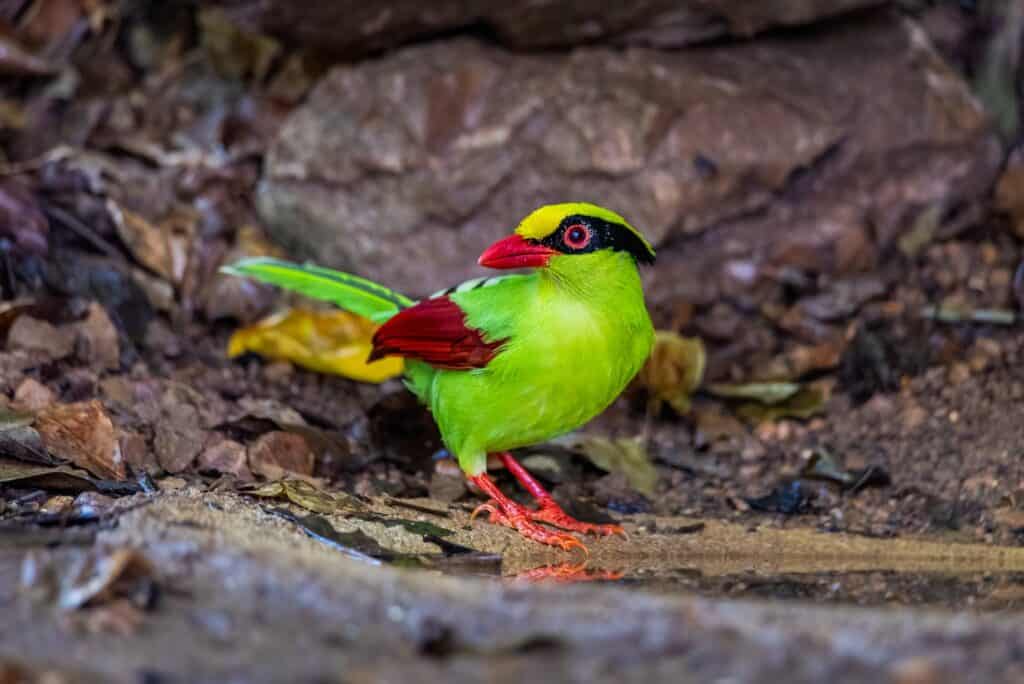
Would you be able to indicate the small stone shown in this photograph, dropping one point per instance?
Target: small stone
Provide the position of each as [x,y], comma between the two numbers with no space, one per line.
[160,338]
[277,453]
[32,334]
[959,373]
[225,456]
[913,417]
[172,484]
[447,487]
[31,395]
[94,502]
[57,504]
[179,437]
[98,340]
[278,371]
[137,454]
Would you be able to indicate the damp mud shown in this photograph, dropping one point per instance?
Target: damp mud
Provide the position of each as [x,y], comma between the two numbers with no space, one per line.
[236,592]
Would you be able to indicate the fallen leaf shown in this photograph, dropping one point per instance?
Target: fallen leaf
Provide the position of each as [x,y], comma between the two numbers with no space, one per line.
[789,498]
[307,496]
[276,454]
[242,299]
[808,402]
[823,466]
[627,456]
[18,439]
[673,371]
[334,342]
[121,573]
[49,477]
[163,248]
[32,334]
[32,395]
[356,544]
[83,434]
[764,392]
[226,456]
[99,342]
[179,434]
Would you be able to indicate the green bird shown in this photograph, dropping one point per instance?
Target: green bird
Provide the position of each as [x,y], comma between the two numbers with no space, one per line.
[510,361]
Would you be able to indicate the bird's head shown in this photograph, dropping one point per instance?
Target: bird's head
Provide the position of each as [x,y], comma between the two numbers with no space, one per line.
[567,239]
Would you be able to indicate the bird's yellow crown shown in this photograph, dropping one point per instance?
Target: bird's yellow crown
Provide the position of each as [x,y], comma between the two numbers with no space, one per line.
[544,221]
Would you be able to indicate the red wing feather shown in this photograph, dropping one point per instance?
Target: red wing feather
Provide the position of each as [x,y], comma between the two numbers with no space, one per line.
[434,331]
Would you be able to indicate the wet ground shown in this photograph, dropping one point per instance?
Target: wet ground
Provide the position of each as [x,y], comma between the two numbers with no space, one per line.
[234,591]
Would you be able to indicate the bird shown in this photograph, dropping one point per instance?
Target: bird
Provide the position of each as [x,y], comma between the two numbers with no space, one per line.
[512,360]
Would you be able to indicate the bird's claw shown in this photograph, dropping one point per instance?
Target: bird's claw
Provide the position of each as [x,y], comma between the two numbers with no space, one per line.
[550,512]
[522,520]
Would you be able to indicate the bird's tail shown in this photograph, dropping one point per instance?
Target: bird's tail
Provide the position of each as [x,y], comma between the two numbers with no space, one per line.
[352,293]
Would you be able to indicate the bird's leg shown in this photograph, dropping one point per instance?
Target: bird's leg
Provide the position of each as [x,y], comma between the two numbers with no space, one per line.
[547,510]
[505,511]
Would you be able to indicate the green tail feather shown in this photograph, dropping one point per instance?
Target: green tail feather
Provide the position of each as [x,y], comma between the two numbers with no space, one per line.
[352,293]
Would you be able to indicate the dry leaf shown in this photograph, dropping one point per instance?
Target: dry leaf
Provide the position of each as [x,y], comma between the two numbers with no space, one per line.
[162,248]
[307,496]
[764,392]
[674,370]
[105,578]
[626,456]
[83,434]
[808,402]
[334,342]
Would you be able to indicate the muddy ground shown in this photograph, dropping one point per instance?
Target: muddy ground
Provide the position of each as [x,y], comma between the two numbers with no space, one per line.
[175,509]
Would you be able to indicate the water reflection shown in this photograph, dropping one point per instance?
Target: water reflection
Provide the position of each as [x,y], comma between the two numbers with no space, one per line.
[981,591]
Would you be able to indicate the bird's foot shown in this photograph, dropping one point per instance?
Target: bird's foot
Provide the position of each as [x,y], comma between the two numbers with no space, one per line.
[551,513]
[568,573]
[519,518]
[547,510]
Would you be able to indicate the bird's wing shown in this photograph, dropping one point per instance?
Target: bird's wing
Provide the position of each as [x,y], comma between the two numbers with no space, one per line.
[434,331]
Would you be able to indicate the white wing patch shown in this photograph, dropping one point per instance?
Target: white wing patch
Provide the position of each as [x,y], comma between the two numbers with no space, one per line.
[472,284]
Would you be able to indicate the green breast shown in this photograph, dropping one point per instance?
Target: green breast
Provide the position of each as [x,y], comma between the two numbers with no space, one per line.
[569,354]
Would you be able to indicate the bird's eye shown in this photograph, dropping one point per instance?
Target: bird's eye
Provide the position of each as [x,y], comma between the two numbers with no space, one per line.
[577,236]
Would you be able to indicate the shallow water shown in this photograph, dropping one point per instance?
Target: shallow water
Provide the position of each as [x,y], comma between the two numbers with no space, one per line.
[980,591]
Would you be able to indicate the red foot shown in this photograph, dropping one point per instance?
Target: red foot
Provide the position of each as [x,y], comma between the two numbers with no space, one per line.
[504,511]
[547,510]
[568,573]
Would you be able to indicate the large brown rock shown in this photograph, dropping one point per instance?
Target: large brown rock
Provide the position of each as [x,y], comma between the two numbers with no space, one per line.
[353,27]
[813,151]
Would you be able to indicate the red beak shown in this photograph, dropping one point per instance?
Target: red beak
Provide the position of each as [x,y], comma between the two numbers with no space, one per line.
[515,252]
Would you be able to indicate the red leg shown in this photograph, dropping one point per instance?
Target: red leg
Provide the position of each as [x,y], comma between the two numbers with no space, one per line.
[504,511]
[567,573]
[547,510]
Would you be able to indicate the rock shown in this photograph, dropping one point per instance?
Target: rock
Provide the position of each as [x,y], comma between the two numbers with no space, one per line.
[83,434]
[225,456]
[803,151]
[137,454]
[276,454]
[33,396]
[31,334]
[179,436]
[446,486]
[348,29]
[99,344]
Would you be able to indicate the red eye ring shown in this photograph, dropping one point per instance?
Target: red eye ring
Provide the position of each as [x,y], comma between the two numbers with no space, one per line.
[577,236]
